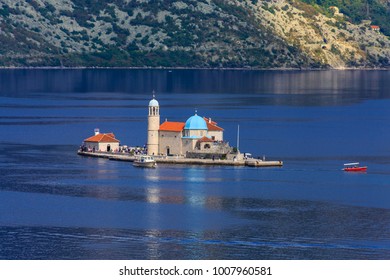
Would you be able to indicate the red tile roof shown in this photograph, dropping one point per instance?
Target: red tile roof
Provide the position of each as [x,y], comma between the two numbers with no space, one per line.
[172,126]
[205,139]
[179,126]
[103,138]
[212,125]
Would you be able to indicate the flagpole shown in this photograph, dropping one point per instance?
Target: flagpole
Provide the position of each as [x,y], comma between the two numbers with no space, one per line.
[238,137]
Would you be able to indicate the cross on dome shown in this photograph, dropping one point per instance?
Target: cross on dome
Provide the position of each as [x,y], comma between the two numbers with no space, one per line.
[153,102]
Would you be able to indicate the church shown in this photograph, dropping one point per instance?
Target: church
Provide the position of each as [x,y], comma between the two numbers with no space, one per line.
[198,137]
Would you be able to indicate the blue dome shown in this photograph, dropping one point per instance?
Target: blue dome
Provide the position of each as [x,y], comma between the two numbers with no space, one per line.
[196,122]
[153,103]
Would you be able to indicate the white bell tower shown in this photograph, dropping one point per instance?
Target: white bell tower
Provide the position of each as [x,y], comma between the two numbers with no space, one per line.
[153,126]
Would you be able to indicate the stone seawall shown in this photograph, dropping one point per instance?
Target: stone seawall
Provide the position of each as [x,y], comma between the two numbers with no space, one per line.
[182,160]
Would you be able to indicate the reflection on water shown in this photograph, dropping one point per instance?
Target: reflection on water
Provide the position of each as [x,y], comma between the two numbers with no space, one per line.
[57,205]
[190,179]
[153,195]
[298,232]
[87,208]
[95,85]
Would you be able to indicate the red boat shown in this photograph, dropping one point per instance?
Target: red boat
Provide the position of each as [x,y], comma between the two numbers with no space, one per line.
[354,167]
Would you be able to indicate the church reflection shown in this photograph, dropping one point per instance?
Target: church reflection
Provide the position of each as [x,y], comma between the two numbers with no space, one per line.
[186,186]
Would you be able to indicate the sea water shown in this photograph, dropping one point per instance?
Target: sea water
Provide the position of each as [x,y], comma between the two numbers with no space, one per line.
[55,204]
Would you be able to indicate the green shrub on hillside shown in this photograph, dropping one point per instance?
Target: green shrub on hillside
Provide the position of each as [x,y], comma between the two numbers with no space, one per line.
[358,10]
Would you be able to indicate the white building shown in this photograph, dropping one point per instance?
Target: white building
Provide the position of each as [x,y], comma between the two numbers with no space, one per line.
[102,142]
[153,127]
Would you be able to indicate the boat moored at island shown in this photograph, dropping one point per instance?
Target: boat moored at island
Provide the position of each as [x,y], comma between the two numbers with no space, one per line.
[145,161]
[354,167]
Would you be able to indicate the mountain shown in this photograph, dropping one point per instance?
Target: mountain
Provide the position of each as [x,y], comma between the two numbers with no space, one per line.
[189,33]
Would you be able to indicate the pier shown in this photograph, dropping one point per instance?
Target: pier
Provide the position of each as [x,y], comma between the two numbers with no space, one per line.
[186,161]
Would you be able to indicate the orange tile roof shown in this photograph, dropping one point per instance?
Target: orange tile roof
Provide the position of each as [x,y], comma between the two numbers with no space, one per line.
[212,125]
[172,126]
[102,138]
[205,139]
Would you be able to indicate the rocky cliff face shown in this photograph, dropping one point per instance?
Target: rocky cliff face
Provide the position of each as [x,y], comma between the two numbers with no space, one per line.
[186,33]
[330,38]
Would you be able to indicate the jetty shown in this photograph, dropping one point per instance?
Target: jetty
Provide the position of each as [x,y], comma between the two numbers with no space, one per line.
[187,161]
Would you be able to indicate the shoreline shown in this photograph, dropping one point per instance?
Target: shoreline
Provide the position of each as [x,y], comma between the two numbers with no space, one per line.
[191,68]
[186,161]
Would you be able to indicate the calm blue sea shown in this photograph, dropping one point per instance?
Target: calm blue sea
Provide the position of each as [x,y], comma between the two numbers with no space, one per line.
[55,204]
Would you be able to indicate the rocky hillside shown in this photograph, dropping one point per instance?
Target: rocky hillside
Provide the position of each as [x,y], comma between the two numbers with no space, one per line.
[327,35]
[187,33]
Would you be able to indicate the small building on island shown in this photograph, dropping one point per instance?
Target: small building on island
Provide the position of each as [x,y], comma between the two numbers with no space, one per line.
[101,142]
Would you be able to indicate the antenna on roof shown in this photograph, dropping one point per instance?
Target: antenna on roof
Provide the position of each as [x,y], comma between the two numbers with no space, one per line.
[154,94]
[196,111]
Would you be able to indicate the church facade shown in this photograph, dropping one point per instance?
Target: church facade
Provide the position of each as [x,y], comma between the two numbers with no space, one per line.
[197,137]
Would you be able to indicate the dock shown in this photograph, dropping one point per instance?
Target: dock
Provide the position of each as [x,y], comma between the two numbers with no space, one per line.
[186,161]
[263,163]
